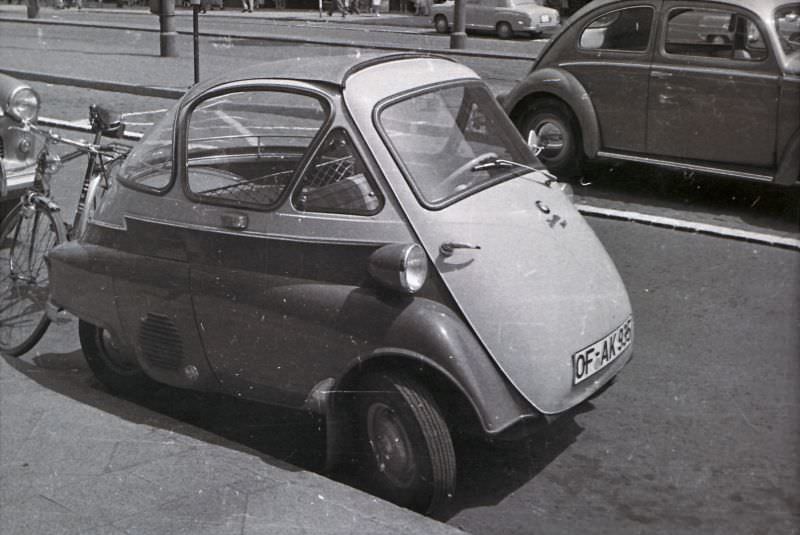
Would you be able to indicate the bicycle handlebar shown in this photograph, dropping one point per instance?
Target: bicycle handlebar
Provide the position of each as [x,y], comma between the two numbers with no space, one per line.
[95,149]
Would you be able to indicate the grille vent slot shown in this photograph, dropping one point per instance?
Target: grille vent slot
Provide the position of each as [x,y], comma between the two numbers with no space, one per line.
[160,342]
[2,149]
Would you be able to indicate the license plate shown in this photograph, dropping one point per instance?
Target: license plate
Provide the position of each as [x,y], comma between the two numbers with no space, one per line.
[591,359]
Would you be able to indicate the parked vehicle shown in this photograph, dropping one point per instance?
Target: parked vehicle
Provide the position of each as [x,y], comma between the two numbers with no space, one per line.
[18,147]
[388,255]
[36,224]
[504,17]
[700,86]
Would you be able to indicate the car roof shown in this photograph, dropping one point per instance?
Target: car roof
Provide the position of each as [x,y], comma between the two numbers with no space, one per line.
[316,69]
[764,8]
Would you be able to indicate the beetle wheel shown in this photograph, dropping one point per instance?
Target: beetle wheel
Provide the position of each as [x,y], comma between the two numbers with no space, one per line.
[406,446]
[557,129]
[119,372]
[440,23]
[504,30]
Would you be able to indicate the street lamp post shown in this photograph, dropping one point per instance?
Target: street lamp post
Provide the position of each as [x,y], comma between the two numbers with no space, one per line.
[33,8]
[458,39]
[169,37]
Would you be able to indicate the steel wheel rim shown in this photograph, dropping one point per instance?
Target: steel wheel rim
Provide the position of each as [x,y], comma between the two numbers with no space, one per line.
[551,138]
[391,446]
[112,356]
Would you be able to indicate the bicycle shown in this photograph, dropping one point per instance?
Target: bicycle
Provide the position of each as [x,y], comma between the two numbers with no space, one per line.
[35,226]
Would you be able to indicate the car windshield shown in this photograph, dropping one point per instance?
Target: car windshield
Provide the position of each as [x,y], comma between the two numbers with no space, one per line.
[150,162]
[520,3]
[787,24]
[447,138]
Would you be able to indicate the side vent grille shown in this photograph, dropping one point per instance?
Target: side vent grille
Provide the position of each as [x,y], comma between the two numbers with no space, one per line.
[160,342]
[2,149]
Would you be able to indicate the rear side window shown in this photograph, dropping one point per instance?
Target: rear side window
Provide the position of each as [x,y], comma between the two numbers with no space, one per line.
[337,180]
[625,29]
[243,148]
[713,33]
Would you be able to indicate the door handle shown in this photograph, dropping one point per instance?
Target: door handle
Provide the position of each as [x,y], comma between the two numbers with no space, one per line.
[661,75]
[234,221]
[448,248]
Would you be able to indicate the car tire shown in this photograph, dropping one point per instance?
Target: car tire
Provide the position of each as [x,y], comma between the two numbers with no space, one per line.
[119,373]
[504,30]
[557,128]
[406,448]
[441,24]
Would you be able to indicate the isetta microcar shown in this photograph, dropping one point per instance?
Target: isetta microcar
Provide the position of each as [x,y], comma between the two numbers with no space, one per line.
[365,237]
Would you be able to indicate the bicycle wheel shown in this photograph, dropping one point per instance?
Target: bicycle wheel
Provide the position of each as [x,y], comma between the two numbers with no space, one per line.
[26,235]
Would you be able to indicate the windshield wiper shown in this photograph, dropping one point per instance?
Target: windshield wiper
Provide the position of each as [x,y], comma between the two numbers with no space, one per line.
[496,163]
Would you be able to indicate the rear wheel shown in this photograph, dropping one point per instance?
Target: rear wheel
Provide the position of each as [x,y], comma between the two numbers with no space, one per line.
[504,30]
[26,236]
[557,130]
[440,23]
[407,448]
[118,371]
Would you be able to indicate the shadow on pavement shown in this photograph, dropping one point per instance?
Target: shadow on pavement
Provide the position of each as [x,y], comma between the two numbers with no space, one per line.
[291,440]
[285,438]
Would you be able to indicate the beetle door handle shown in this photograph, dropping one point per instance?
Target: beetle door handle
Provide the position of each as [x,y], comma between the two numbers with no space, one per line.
[448,248]
[234,221]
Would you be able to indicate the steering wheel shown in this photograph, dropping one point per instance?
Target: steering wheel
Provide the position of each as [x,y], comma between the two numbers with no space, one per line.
[467,167]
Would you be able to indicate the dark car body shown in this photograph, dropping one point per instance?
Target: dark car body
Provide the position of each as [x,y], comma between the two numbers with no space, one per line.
[254,243]
[710,86]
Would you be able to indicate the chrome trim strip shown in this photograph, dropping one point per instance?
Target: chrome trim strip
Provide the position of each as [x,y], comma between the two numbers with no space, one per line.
[715,71]
[604,64]
[687,166]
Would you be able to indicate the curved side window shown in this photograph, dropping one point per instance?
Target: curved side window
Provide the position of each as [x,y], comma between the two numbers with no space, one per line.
[149,164]
[626,29]
[243,148]
[337,180]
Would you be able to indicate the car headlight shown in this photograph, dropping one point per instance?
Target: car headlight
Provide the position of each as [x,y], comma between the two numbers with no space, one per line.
[545,18]
[24,104]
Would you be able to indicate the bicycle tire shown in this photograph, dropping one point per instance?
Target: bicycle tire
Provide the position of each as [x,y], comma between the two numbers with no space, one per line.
[26,235]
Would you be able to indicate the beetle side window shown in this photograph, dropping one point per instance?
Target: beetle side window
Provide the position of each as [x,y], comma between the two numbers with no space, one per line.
[713,33]
[244,148]
[625,29]
[337,180]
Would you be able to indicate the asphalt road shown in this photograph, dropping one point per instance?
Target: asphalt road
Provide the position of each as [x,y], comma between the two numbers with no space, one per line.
[701,432]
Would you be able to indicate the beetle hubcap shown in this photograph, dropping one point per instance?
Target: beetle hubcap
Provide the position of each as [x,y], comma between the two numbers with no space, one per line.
[390,445]
[551,139]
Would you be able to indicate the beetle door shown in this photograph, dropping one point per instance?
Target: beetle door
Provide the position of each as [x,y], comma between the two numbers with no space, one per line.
[612,62]
[714,88]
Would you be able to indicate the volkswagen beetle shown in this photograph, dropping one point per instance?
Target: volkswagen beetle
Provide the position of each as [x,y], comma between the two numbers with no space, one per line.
[364,237]
[18,148]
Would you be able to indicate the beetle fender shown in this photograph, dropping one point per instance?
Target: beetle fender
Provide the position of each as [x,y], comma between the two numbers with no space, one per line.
[563,85]
[789,166]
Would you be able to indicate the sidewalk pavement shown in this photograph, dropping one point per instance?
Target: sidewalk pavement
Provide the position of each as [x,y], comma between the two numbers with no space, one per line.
[77,460]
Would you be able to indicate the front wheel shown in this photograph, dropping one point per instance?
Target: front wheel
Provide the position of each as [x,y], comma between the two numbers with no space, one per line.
[559,136]
[504,30]
[407,447]
[117,370]
[27,234]
[440,23]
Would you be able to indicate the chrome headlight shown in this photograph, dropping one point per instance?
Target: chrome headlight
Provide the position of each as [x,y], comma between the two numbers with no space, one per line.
[545,19]
[24,105]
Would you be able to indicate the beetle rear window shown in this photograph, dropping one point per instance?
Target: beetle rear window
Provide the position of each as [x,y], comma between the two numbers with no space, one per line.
[245,147]
[625,29]
[441,135]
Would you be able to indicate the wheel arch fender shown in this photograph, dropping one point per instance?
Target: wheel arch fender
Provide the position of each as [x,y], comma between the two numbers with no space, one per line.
[789,165]
[446,358]
[557,83]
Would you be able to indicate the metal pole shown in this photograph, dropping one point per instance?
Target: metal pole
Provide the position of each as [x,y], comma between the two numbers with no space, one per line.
[458,39]
[33,8]
[169,37]
[196,40]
